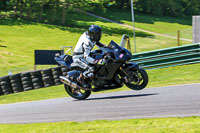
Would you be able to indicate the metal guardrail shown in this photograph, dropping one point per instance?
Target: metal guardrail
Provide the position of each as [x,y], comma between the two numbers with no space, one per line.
[174,56]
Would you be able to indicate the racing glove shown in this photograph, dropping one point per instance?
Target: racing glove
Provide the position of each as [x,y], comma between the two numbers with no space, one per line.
[100,62]
[109,47]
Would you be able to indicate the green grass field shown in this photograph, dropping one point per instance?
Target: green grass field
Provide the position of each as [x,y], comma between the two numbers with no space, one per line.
[158,24]
[19,39]
[155,125]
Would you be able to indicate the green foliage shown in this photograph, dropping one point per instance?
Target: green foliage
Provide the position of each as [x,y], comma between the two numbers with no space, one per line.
[159,7]
[122,3]
[168,7]
[3,4]
[37,10]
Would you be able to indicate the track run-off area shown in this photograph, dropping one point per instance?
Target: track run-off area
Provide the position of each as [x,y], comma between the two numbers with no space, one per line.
[172,101]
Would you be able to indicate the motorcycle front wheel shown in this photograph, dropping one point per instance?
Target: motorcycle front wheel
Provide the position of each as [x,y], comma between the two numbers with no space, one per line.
[138,79]
[77,94]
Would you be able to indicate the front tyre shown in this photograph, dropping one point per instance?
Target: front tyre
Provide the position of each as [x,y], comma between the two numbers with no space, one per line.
[77,94]
[138,79]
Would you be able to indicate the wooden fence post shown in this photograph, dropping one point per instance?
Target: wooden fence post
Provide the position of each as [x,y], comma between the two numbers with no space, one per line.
[196,29]
[178,38]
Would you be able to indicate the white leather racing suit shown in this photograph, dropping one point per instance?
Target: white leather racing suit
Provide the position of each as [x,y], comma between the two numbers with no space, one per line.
[81,54]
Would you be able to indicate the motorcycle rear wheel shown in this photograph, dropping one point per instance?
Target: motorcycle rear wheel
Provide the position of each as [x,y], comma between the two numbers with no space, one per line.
[138,79]
[78,94]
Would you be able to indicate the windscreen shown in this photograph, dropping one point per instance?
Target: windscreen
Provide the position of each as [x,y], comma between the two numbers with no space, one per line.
[115,45]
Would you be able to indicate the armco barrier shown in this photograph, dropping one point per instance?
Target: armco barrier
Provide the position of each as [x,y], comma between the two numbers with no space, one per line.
[181,55]
[31,80]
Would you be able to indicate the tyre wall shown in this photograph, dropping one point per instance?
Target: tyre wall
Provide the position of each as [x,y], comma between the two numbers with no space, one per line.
[31,80]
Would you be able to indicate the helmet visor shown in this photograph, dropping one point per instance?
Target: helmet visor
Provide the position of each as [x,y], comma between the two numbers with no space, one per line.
[97,36]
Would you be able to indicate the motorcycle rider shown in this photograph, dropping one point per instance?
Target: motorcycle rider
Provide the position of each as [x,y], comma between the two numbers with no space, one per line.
[81,56]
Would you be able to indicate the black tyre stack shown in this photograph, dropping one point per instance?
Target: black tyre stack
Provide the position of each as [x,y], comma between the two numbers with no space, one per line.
[1,92]
[31,80]
[47,77]
[16,83]
[36,77]
[64,71]
[27,81]
[57,72]
[6,85]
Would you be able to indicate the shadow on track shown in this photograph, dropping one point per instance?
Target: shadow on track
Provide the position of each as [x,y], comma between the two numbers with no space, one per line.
[124,96]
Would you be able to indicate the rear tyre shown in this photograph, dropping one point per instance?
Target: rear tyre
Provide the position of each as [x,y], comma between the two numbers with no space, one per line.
[138,79]
[80,94]
[1,92]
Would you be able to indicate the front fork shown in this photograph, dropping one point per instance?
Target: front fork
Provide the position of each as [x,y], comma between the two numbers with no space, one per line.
[124,73]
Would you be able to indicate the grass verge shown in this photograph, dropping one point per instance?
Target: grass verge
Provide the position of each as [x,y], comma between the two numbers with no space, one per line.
[155,125]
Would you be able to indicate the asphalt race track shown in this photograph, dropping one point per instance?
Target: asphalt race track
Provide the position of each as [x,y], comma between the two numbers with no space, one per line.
[173,101]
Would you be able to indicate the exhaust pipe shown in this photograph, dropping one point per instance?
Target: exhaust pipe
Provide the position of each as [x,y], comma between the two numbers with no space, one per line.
[70,83]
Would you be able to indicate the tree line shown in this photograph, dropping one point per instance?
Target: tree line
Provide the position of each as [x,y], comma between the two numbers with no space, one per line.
[175,8]
[34,9]
[38,9]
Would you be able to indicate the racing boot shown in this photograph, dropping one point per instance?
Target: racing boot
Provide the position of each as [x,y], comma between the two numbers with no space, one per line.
[81,81]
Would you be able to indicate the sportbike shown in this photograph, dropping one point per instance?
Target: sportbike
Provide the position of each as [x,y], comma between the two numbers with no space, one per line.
[115,73]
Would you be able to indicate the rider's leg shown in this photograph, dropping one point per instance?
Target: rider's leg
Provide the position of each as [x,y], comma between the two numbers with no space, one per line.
[89,71]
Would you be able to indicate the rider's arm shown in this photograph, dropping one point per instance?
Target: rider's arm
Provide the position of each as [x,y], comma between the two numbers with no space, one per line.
[86,51]
[101,45]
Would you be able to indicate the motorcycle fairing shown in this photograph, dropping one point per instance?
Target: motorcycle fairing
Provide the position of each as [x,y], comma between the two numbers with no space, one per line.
[121,54]
[65,60]
[107,72]
[130,65]
[73,73]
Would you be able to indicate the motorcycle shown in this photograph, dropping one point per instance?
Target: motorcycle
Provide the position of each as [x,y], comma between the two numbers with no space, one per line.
[116,72]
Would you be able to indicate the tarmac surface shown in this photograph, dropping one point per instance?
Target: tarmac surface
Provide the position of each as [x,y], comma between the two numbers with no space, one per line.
[172,101]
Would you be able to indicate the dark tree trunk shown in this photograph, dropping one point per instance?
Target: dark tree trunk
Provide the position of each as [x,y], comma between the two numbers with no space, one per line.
[65,6]
[64,13]
[29,14]
[53,14]
[15,7]
[54,11]
[20,8]
[4,7]
[41,12]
